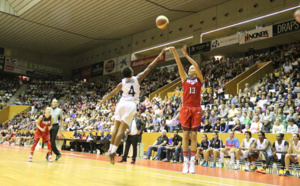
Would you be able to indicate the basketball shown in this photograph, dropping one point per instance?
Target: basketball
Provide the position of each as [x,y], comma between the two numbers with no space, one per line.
[162,22]
[297,15]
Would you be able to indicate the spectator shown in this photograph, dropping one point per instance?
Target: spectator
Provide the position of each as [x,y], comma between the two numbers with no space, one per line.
[224,128]
[243,150]
[292,127]
[174,147]
[214,149]
[278,127]
[255,125]
[279,149]
[266,127]
[204,145]
[158,145]
[293,147]
[261,150]
[246,120]
[232,143]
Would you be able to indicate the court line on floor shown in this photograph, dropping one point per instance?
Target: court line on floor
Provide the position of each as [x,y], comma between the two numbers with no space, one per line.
[88,158]
[141,172]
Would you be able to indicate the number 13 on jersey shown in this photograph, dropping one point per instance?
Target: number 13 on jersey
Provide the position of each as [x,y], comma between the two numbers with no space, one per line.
[192,90]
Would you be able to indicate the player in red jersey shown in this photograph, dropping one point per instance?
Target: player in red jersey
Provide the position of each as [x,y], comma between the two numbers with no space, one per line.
[190,115]
[43,126]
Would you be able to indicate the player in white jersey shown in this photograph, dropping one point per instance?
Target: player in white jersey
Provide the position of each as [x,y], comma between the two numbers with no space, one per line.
[126,108]
[261,149]
[279,149]
[294,146]
[243,150]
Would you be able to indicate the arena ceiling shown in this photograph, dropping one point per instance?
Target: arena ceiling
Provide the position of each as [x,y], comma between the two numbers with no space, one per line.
[68,27]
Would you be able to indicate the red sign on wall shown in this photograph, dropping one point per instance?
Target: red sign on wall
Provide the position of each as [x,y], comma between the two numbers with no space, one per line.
[146,61]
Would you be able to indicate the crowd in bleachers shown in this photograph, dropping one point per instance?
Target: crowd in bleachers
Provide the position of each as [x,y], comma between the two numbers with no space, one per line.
[270,106]
[8,86]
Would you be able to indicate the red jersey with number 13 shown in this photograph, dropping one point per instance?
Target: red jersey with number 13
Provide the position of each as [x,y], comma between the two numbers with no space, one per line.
[192,92]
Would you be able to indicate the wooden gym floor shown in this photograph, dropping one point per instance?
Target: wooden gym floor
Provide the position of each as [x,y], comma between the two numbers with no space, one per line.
[90,169]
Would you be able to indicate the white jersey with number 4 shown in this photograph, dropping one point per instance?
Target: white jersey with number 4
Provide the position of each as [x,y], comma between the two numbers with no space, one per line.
[126,108]
[131,89]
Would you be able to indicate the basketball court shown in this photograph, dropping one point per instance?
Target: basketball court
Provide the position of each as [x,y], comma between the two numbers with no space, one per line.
[89,169]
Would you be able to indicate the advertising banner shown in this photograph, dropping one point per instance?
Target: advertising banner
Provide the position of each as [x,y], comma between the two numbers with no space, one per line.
[285,27]
[225,41]
[170,56]
[110,66]
[256,35]
[123,61]
[199,48]
[146,61]
[15,65]
[76,74]
[97,69]
[86,72]
[2,62]
[44,68]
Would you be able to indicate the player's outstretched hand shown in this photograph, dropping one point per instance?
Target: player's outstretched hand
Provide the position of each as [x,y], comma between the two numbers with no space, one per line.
[184,50]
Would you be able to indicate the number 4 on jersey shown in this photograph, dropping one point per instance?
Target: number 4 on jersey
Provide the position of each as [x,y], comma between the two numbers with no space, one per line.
[131,91]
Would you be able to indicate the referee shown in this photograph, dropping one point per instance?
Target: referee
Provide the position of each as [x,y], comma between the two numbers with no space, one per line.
[134,133]
[57,116]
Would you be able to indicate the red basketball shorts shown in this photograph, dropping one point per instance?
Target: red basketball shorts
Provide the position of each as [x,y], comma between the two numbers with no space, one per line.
[44,135]
[190,118]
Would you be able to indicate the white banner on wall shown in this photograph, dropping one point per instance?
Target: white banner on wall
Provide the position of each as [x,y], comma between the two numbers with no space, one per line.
[110,66]
[170,56]
[225,41]
[256,35]
[15,65]
[123,61]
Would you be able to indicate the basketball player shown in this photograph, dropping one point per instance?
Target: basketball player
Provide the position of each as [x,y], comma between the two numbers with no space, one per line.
[126,108]
[190,115]
[43,126]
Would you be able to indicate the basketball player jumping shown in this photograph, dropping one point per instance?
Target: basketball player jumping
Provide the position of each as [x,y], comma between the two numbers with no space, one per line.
[43,126]
[126,108]
[190,115]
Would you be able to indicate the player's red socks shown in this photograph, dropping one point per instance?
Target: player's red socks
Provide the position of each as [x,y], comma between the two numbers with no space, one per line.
[49,147]
[193,153]
[186,153]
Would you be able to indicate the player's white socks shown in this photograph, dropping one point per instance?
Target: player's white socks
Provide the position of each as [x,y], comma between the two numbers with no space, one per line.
[114,148]
[186,159]
[222,157]
[232,157]
[110,147]
[193,158]
[237,162]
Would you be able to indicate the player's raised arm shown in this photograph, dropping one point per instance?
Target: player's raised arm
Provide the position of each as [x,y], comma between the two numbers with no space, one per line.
[193,62]
[112,93]
[182,73]
[38,124]
[150,67]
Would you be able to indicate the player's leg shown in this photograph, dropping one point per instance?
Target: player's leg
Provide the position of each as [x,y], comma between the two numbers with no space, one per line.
[48,142]
[216,154]
[232,155]
[114,134]
[185,153]
[35,142]
[288,159]
[122,126]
